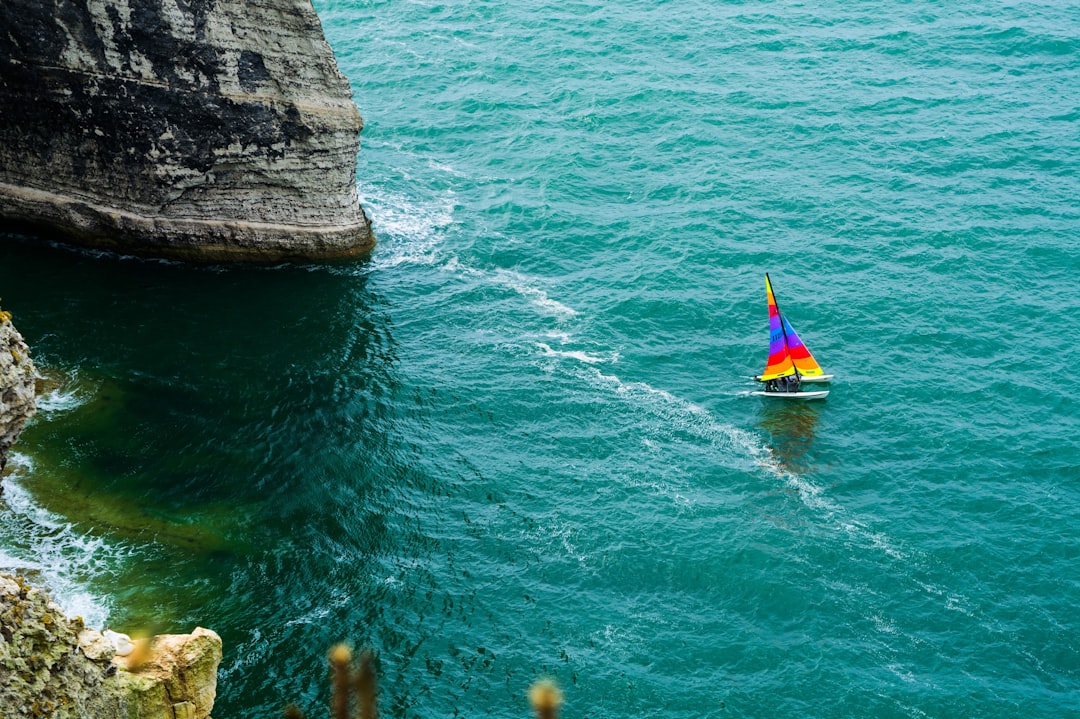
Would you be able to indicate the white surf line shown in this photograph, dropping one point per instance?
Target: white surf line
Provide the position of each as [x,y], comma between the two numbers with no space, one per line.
[41,541]
[50,546]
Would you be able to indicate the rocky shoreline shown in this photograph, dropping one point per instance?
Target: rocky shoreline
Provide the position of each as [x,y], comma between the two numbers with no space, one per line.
[52,666]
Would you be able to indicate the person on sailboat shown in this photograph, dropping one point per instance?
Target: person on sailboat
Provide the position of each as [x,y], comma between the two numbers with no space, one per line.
[790,383]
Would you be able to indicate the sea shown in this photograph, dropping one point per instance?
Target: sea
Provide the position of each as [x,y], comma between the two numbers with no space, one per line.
[519,441]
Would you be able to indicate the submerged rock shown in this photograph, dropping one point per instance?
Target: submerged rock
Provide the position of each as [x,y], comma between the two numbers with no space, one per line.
[53,666]
[206,129]
[17,400]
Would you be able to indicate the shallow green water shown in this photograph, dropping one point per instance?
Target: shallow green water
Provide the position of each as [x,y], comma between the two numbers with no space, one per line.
[518,440]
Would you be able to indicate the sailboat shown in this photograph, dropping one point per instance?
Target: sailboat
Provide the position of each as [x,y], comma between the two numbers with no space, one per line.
[788,356]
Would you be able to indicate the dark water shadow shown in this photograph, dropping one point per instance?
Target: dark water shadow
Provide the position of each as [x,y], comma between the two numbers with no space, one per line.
[239,430]
[252,439]
[790,428]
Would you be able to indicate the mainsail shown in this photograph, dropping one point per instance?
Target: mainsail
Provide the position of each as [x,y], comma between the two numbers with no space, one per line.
[787,353]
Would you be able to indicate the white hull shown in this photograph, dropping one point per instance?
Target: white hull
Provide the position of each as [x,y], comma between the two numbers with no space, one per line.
[822,378]
[817,394]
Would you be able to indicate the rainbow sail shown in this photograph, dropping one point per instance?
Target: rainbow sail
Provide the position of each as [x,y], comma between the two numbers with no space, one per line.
[787,353]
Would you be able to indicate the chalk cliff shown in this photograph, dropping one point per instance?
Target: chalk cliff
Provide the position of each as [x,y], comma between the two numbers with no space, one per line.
[17,400]
[53,667]
[198,129]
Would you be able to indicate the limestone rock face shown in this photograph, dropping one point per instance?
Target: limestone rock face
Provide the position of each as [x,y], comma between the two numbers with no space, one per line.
[177,674]
[17,401]
[199,129]
[52,666]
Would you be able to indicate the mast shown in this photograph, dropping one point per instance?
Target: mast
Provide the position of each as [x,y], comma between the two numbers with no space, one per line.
[784,330]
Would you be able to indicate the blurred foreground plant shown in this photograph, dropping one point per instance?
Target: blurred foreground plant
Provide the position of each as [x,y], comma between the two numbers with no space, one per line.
[356,688]
[352,687]
[546,699]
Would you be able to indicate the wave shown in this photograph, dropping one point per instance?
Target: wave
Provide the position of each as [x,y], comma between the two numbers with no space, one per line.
[65,396]
[409,232]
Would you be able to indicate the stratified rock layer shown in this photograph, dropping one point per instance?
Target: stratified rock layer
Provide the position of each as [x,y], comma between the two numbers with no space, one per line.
[52,666]
[17,400]
[200,129]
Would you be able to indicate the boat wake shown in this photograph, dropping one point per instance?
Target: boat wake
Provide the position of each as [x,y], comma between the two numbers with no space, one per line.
[416,236]
[742,449]
[578,355]
[538,297]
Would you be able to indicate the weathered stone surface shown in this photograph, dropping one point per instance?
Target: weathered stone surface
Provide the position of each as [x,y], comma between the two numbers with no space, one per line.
[200,129]
[53,666]
[42,673]
[95,646]
[17,400]
[184,666]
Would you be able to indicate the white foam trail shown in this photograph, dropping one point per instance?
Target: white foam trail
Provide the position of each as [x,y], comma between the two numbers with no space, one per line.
[518,283]
[685,416]
[698,421]
[560,335]
[442,167]
[577,355]
[416,235]
[454,265]
[412,233]
[561,535]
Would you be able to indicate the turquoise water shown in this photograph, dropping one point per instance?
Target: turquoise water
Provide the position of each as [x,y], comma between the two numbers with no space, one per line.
[519,442]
